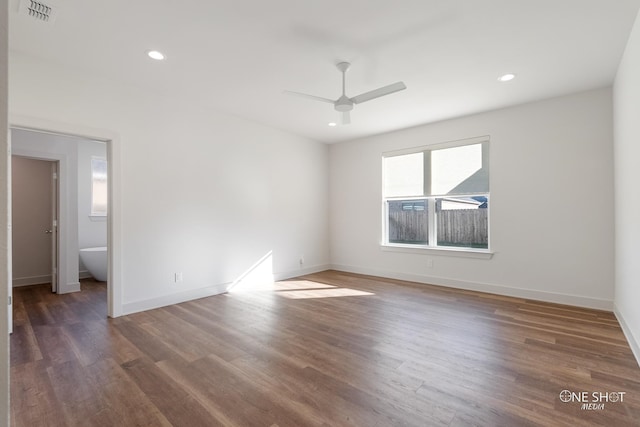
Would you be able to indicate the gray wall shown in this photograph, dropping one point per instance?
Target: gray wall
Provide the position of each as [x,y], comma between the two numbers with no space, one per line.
[31,206]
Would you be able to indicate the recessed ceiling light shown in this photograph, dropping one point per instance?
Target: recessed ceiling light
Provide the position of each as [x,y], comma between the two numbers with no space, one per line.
[506,77]
[154,54]
[332,124]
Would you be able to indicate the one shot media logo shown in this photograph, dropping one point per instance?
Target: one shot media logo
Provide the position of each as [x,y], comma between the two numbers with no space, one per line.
[592,400]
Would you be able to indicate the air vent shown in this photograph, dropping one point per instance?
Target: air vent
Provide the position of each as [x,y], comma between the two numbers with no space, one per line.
[44,12]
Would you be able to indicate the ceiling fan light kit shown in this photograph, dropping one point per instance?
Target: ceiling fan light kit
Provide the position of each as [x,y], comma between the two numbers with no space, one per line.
[344,104]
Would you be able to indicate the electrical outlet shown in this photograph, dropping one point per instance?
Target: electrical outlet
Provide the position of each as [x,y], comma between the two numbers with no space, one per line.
[177,278]
[430,263]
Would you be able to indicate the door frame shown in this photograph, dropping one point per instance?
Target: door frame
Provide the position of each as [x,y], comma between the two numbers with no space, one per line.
[114,228]
[55,220]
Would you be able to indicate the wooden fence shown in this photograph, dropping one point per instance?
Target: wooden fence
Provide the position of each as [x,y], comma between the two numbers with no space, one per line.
[463,227]
[456,227]
[408,227]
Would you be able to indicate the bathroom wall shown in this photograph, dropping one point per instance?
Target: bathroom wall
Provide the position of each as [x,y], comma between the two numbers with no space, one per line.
[92,231]
[31,215]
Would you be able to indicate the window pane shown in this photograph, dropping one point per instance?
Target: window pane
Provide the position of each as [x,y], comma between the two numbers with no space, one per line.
[404,175]
[463,222]
[458,170]
[408,222]
[98,187]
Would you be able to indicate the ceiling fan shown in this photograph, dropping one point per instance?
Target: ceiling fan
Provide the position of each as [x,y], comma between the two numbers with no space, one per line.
[344,104]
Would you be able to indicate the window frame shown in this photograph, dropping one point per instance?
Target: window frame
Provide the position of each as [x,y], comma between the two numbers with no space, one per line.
[432,245]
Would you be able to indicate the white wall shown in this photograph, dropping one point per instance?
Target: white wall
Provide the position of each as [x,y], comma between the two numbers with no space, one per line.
[627,196]
[92,231]
[551,218]
[199,192]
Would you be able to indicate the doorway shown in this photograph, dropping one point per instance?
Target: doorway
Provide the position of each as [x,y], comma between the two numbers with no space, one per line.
[34,202]
[77,226]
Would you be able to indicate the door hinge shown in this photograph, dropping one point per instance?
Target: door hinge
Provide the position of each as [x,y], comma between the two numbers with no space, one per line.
[55,175]
[10,299]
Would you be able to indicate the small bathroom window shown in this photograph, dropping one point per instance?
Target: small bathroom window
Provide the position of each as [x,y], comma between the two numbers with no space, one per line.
[98,186]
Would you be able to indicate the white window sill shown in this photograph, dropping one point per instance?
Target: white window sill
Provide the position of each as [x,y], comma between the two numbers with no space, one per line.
[424,250]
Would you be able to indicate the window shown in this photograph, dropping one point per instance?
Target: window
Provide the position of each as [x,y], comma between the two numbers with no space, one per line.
[438,196]
[98,186]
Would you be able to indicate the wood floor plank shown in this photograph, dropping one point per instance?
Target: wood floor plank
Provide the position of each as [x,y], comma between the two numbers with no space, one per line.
[63,313]
[92,341]
[54,344]
[33,401]
[145,342]
[39,314]
[24,344]
[175,403]
[185,339]
[112,382]
[79,401]
[326,349]
[217,397]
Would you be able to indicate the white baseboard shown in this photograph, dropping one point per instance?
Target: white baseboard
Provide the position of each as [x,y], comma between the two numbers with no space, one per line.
[575,300]
[628,333]
[84,274]
[39,280]
[301,272]
[69,288]
[177,298]
[192,294]
[32,280]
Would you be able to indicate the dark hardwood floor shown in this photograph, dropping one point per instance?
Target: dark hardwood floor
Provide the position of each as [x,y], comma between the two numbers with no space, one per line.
[328,349]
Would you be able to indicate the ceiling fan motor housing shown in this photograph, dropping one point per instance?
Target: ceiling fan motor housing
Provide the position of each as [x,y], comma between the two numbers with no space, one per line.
[344,104]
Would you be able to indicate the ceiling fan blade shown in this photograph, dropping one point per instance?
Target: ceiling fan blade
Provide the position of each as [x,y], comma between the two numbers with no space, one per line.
[377,93]
[346,117]
[304,95]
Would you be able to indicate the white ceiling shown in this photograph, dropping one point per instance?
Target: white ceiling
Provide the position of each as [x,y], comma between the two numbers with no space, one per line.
[239,55]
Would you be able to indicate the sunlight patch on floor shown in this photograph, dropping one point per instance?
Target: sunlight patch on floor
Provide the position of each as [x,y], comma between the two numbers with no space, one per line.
[259,278]
[331,292]
[296,285]
[304,289]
